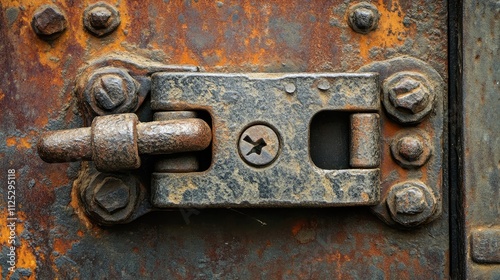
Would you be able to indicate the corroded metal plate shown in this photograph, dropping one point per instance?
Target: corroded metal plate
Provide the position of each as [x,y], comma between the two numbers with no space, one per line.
[285,102]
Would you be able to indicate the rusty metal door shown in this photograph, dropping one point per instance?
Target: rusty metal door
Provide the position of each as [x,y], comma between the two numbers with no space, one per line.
[229,139]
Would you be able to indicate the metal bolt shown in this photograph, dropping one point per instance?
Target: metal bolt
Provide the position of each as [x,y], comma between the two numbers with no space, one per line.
[290,88]
[109,91]
[112,194]
[409,94]
[323,84]
[110,198]
[410,201]
[49,22]
[410,148]
[259,145]
[363,17]
[408,97]
[101,19]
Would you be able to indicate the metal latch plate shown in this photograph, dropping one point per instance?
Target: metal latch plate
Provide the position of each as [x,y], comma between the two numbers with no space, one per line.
[286,103]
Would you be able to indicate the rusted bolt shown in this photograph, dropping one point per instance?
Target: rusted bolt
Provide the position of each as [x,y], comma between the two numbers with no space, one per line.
[363,17]
[409,94]
[49,22]
[259,145]
[407,97]
[111,91]
[112,194]
[411,148]
[101,19]
[110,198]
[411,203]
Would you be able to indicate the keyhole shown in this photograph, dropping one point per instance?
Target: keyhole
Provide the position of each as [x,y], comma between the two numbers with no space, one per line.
[257,145]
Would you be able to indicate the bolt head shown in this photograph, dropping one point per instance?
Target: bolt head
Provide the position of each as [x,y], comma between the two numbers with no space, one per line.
[259,145]
[112,195]
[410,201]
[49,22]
[410,148]
[99,17]
[109,91]
[363,17]
[323,84]
[410,95]
[290,88]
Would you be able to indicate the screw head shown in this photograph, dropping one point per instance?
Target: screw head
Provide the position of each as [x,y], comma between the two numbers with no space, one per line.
[410,201]
[363,17]
[112,194]
[259,145]
[410,148]
[101,19]
[49,22]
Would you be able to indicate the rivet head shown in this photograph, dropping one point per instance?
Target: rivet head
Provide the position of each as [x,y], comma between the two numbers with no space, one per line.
[290,88]
[323,84]
[49,22]
[101,19]
[259,145]
[363,17]
[410,148]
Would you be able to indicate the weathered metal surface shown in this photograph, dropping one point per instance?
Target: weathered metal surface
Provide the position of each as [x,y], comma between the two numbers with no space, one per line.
[36,94]
[236,104]
[115,142]
[480,127]
[430,129]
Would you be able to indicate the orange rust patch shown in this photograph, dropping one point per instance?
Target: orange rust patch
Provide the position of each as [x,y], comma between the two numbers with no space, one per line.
[20,143]
[25,258]
[390,32]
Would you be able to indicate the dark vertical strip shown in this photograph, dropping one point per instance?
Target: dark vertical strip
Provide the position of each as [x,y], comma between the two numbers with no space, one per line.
[457,229]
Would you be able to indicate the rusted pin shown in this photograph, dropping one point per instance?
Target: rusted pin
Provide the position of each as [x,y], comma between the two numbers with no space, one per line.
[114,142]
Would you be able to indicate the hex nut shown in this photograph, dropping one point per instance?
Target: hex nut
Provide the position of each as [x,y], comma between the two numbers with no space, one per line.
[407,97]
[101,19]
[111,90]
[49,22]
[110,198]
[112,194]
[259,145]
[411,203]
[411,148]
[363,17]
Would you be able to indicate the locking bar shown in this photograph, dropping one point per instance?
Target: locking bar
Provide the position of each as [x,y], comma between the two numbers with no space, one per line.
[261,151]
